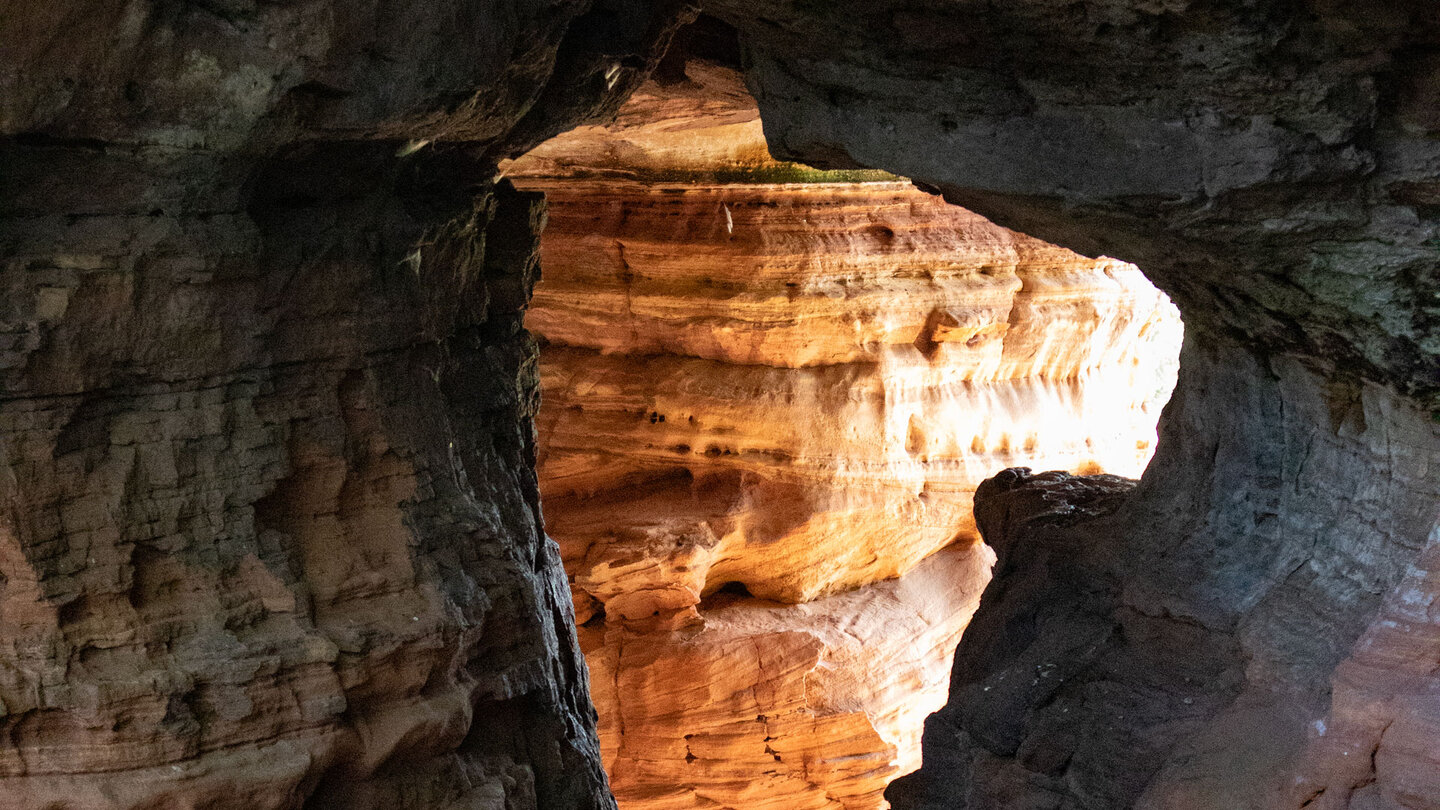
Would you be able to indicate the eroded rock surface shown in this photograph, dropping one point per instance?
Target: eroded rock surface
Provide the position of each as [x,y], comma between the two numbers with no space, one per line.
[804,380]
[245,561]
[810,398]
[1273,168]
[784,384]
[761,704]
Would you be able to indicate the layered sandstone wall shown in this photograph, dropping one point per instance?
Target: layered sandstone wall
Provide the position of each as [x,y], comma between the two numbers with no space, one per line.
[770,705]
[242,563]
[838,365]
[763,403]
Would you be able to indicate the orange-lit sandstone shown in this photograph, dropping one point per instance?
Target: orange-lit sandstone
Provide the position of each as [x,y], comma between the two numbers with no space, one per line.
[796,386]
[772,706]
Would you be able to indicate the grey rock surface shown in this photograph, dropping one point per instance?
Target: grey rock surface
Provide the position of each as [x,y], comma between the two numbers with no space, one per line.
[269,527]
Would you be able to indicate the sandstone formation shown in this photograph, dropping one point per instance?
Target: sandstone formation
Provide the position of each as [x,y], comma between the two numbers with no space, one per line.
[765,380]
[775,706]
[803,380]
[811,398]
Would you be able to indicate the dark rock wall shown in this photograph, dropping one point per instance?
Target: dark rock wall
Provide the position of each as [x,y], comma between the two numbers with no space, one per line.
[1244,628]
[269,526]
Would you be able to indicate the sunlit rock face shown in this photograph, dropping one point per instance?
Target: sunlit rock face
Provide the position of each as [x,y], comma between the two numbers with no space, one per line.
[771,705]
[808,391]
[790,382]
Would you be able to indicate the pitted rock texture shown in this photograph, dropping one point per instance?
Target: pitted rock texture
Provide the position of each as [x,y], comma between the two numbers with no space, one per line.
[269,526]
[763,401]
[1272,167]
[808,399]
[802,381]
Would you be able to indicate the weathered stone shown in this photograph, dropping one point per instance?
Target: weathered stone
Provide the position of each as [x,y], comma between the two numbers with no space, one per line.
[269,529]
[761,704]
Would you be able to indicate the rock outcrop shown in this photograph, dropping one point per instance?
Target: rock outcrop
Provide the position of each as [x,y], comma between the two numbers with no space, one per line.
[765,386]
[269,529]
[778,706]
[810,397]
[1272,167]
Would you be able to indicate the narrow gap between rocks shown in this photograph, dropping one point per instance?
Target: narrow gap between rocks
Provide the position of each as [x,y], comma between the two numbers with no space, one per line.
[769,393]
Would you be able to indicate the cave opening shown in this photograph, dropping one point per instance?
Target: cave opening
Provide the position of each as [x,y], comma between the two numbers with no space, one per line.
[769,392]
[270,531]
